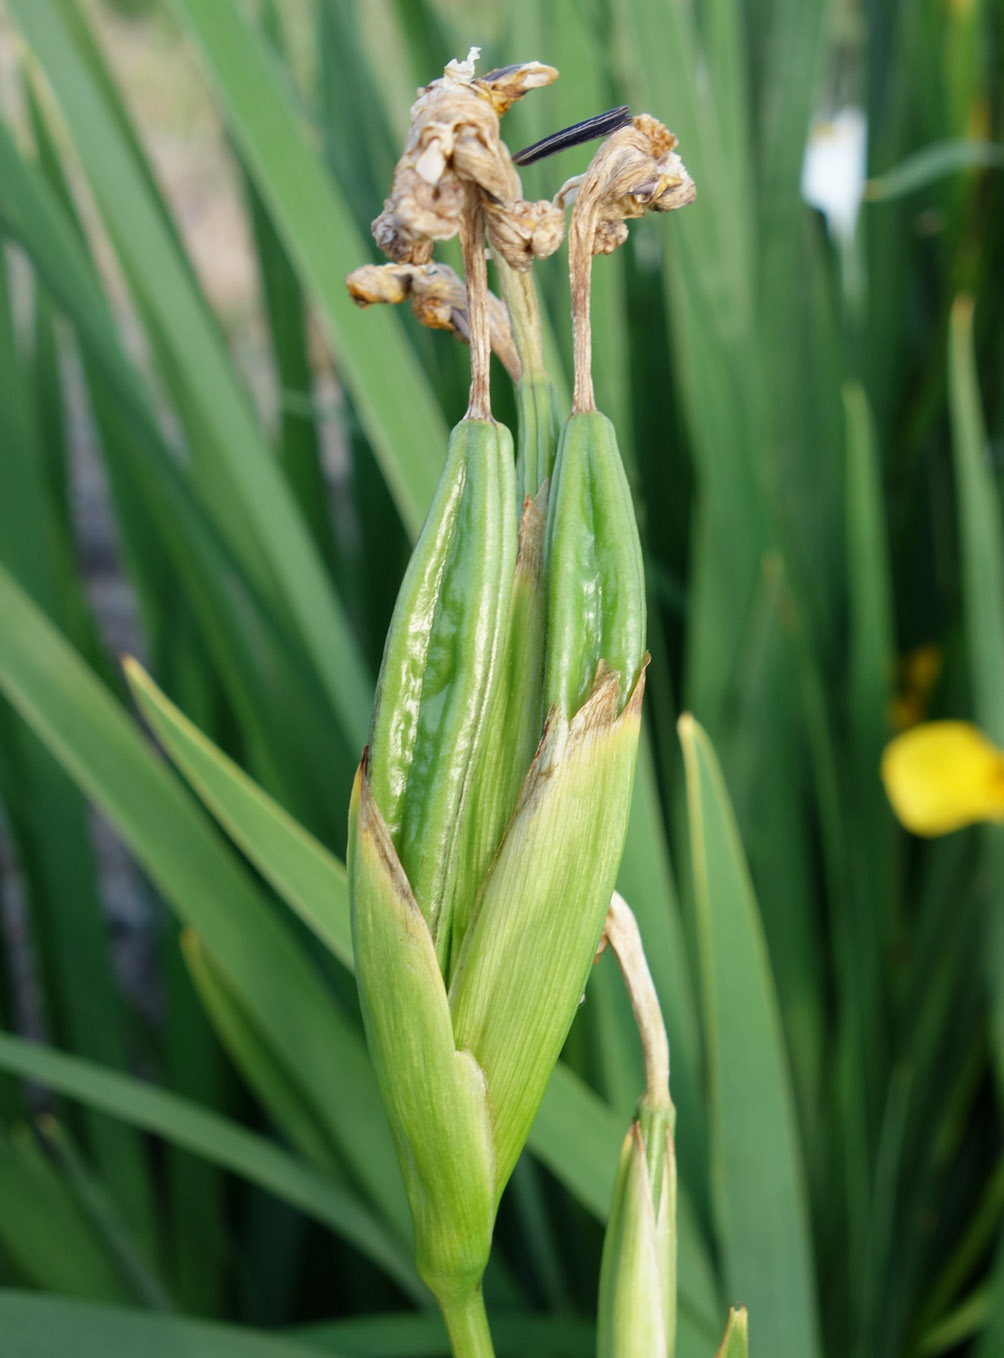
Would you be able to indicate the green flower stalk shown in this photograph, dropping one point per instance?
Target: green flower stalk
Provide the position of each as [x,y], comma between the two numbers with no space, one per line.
[536,399]
[489,811]
[414,801]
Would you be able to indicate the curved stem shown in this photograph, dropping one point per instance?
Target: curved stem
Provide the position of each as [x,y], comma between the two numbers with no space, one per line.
[467,1325]
[622,934]
[472,241]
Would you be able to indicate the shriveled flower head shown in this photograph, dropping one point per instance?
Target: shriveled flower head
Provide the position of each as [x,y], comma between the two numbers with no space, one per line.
[453,141]
[438,299]
[635,171]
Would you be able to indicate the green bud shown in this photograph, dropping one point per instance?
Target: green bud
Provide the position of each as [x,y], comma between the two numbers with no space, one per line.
[435,1096]
[527,952]
[441,654]
[637,1297]
[736,1341]
[596,591]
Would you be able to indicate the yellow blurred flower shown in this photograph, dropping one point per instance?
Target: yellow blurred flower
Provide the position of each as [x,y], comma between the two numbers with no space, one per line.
[942,775]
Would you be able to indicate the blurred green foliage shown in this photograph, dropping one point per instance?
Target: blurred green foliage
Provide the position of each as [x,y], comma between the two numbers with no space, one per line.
[813,425]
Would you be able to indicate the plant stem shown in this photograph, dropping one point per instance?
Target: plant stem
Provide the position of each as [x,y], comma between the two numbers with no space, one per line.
[467,1325]
[520,297]
[621,932]
[472,243]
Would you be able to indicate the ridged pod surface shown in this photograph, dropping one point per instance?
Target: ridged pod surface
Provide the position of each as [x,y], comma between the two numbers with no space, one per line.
[441,654]
[596,583]
[513,719]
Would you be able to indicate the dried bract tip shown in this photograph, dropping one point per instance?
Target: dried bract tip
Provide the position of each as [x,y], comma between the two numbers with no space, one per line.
[439,301]
[454,139]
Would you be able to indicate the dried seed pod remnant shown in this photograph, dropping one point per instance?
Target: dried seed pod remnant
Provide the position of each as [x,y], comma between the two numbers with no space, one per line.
[454,140]
[635,171]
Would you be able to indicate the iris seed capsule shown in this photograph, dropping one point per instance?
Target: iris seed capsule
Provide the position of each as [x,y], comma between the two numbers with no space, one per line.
[441,653]
[596,584]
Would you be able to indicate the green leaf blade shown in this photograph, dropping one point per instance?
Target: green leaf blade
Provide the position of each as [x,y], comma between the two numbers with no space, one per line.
[757,1172]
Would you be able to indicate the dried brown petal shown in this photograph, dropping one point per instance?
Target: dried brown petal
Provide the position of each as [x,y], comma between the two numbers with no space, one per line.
[379,283]
[636,171]
[522,232]
[453,139]
[610,236]
[438,299]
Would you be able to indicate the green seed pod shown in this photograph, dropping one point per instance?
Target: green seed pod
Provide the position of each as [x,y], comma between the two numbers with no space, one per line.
[527,953]
[441,654]
[637,1297]
[596,584]
[515,716]
[435,1096]
[513,720]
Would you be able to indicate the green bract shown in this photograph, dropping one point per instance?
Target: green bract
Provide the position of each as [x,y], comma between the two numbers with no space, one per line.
[736,1341]
[637,1299]
[527,953]
[434,1095]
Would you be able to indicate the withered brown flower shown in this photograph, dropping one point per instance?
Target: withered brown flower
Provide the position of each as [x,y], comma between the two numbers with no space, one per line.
[635,171]
[438,299]
[454,140]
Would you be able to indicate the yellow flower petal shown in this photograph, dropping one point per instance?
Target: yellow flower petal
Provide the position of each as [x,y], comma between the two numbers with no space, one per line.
[942,775]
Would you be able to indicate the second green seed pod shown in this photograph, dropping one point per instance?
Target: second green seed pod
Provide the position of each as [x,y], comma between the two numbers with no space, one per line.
[596,582]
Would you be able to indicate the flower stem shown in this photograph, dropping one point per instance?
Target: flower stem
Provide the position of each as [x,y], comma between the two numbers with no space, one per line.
[520,297]
[467,1325]
[472,242]
[621,932]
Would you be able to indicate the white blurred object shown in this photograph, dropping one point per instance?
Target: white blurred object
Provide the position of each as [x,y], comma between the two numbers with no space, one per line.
[833,171]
